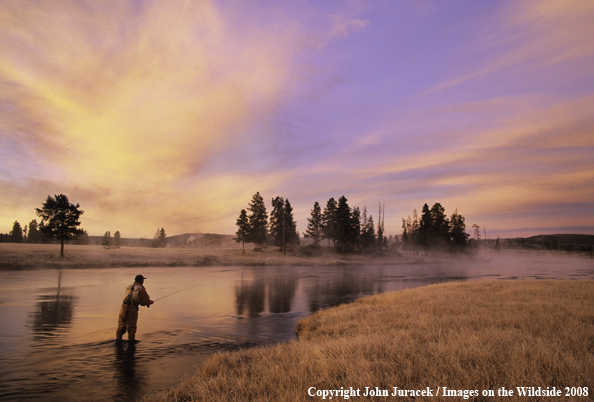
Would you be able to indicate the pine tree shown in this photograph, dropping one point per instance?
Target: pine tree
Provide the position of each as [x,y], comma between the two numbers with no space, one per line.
[458,231]
[117,239]
[367,238]
[315,224]
[477,232]
[404,232]
[329,221]
[425,227]
[243,230]
[347,226]
[381,239]
[34,235]
[258,220]
[106,239]
[291,234]
[16,234]
[160,239]
[283,228]
[60,219]
[355,227]
[277,222]
[440,233]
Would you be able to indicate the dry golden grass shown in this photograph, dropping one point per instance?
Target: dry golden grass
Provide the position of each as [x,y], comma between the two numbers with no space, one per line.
[464,336]
[25,256]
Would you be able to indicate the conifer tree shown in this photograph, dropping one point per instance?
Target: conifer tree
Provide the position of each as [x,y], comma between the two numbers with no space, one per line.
[277,222]
[160,239]
[315,224]
[16,234]
[243,230]
[355,227]
[404,232]
[440,233]
[381,239]
[117,239]
[283,228]
[425,227]
[291,234]
[60,219]
[34,235]
[258,220]
[106,239]
[347,225]
[367,238]
[329,221]
[458,231]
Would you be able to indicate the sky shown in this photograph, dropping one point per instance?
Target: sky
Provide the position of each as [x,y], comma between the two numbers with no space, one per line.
[175,113]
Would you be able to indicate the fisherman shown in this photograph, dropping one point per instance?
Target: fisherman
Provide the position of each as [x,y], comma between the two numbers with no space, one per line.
[135,296]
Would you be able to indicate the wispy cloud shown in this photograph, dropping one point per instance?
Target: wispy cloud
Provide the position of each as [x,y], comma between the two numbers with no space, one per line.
[174,113]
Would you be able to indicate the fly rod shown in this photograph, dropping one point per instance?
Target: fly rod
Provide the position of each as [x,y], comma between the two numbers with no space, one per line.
[171,294]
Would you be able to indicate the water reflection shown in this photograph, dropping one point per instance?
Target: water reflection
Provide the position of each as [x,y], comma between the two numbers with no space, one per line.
[250,296]
[53,314]
[128,373]
[281,292]
[328,290]
[47,328]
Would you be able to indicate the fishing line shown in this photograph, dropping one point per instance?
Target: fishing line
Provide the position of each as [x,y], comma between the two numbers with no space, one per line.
[171,294]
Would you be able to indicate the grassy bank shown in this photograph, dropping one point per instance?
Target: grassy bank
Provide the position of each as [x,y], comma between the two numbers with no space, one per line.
[463,336]
[29,256]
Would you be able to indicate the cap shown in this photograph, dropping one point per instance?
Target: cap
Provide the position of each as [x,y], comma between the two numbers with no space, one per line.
[139,278]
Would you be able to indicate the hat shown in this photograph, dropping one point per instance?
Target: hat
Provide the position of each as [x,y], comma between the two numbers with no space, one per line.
[139,278]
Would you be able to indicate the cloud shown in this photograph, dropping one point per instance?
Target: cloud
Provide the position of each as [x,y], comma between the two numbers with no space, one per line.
[122,103]
[175,113]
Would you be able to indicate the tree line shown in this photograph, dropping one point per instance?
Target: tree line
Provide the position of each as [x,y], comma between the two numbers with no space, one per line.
[348,228]
[345,227]
[433,230]
[37,233]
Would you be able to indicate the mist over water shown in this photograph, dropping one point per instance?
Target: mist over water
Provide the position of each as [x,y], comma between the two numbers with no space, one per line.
[58,326]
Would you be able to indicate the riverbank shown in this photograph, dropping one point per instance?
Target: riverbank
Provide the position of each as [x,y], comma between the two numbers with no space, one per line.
[468,337]
[31,256]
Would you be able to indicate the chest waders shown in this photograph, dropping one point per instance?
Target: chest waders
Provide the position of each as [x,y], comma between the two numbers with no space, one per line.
[129,313]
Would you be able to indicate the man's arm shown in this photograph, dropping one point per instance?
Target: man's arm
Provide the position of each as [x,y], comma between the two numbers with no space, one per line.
[145,300]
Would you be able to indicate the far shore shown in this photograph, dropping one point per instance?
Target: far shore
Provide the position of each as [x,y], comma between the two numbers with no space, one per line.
[15,256]
[33,256]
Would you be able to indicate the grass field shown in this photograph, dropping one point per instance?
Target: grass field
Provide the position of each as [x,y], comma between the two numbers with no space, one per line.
[28,256]
[468,337]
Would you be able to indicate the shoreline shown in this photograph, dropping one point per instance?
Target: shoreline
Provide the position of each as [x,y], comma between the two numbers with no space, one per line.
[14,256]
[470,337]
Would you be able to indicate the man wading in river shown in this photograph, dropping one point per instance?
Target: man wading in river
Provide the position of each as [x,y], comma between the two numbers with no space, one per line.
[135,296]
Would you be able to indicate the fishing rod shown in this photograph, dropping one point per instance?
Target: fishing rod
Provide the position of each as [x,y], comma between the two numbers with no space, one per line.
[171,294]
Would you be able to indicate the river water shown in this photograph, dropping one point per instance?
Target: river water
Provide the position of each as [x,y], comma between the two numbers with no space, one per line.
[58,326]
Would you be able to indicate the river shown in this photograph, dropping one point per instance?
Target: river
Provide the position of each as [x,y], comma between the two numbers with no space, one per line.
[58,326]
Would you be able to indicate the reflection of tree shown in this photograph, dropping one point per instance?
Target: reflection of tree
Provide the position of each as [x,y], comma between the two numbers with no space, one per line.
[250,296]
[53,312]
[338,289]
[281,291]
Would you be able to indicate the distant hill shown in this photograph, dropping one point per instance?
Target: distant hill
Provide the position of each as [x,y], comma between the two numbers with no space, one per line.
[577,239]
[201,240]
[184,240]
[562,242]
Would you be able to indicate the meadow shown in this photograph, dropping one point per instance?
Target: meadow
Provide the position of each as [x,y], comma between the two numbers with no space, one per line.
[469,337]
[31,256]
